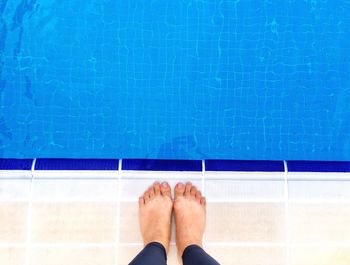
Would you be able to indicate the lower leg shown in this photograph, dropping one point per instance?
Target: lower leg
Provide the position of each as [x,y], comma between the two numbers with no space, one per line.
[195,255]
[153,254]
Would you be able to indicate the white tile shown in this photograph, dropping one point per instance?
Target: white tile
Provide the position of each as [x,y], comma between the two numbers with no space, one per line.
[326,190]
[318,176]
[15,174]
[75,189]
[244,175]
[78,174]
[244,190]
[162,175]
[14,189]
[133,187]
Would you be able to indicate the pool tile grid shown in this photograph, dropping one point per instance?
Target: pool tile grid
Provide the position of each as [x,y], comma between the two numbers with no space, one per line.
[265,213]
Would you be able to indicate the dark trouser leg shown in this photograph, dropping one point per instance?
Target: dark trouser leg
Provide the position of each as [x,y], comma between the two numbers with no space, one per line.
[153,254]
[195,255]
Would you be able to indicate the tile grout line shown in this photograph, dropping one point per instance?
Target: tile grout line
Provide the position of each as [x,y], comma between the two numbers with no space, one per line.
[219,244]
[286,209]
[210,201]
[29,245]
[237,175]
[29,215]
[203,192]
[117,237]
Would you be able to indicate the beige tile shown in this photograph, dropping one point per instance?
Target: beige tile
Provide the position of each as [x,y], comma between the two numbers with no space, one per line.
[12,256]
[245,222]
[128,253]
[320,256]
[74,222]
[129,223]
[13,221]
[319,222]
[72,256]
[248,255]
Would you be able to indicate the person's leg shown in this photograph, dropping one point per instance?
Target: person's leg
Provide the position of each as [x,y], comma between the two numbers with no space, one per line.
[153,254]
[190,213]
[195,255]
[155,207]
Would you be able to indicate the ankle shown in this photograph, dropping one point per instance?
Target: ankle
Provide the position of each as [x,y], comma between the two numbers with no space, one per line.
[165,245]
[158,239]
[181,248]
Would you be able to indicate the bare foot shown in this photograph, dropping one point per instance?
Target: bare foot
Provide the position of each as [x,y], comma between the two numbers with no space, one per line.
[155,207]
[189,211]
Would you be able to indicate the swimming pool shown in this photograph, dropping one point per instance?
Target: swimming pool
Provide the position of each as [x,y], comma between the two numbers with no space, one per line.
[260,80]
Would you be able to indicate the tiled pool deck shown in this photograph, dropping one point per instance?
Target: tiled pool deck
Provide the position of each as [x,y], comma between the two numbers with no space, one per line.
[84,212]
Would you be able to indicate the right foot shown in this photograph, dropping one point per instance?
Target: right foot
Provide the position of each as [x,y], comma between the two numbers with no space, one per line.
[189,212]
[155,207]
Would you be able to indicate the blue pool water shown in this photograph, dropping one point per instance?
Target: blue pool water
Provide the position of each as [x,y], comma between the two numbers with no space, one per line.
[247,79]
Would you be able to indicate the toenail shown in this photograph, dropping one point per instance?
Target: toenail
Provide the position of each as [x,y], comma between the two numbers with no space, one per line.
[164,184]
[180,185]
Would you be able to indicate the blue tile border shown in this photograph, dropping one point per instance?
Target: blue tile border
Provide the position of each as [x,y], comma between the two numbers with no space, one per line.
[175,165]
[16,164]
[244,165]
[161,165]
[76,164]
[318,166]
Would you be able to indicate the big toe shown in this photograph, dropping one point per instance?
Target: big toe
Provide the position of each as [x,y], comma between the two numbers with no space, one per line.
[179,190]
[165,189]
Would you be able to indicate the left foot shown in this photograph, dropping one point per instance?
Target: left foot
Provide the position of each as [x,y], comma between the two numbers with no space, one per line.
[189,212]
[155,207]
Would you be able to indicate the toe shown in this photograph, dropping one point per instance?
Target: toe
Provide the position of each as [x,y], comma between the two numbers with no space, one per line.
[179,190]
[151,192]
[165,189]
[188,189]
[193,191]
[203,201]
[198,196]
[146,196]
[156,187]
[141,201]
